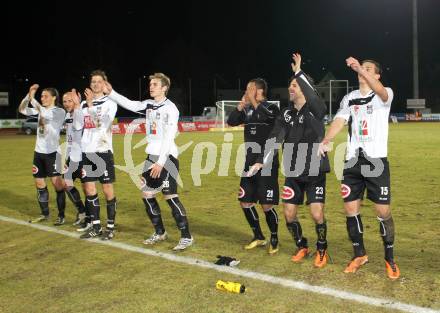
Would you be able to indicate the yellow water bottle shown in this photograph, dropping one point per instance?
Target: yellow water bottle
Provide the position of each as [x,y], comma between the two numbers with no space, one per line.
[230,286]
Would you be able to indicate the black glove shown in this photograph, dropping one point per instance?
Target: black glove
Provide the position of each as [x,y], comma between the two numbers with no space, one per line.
[226,260]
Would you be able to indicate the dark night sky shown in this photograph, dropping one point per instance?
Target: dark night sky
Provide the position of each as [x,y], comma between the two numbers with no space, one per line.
[59,43]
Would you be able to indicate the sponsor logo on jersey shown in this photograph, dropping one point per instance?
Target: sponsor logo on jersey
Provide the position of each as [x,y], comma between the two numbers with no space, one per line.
[356,109]
[157,116]
[363,128]
[88,122]
[287,117]
[301,119]
[241,193]
[288,193]
[153,128]
[369,109]
[34,169]
[345,191]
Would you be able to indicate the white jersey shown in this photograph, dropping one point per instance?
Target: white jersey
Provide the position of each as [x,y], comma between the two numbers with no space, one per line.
[74,128]
[50,122]
[161,124]
[368,122]
[98,120]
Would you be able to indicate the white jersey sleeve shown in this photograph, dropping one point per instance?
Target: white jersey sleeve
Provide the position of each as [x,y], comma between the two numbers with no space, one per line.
[390,96]
[109,116]
[344,109]
[126,103]
[78,119]
[25,109]
[74,134]
[35,104]
[170,129]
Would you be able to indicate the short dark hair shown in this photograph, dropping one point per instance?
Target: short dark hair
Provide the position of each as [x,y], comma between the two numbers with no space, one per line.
[309,78]
[260,83]
[98,73]
[377,65]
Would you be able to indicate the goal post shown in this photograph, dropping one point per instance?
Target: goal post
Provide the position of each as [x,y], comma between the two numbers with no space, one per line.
[225,107]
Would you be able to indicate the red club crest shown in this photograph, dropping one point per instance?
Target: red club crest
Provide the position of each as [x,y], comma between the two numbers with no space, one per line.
[34,169]
[345,191]
[288,193]
[241,193]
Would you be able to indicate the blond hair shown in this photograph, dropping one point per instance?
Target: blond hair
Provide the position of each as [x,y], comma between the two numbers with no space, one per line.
[164,80]
[98,73]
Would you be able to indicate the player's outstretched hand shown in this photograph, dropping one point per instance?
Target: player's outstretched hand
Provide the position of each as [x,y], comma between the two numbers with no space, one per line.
[254,169]
[32,90]
[107,88]
[353,64]
[296,64]
[324,147]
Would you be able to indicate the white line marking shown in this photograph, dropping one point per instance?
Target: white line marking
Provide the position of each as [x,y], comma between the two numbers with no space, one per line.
[344,295]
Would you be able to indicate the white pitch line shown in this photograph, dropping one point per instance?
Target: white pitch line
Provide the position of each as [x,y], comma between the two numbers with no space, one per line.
[289,283]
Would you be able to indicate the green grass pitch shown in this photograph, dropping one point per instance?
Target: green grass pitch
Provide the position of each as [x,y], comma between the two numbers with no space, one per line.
[46,272]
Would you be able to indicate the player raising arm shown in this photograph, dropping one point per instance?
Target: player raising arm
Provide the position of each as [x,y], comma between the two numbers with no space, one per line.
[97,154]
[300,128]
[74,122]
[161,168]
[46,162]
[366,166]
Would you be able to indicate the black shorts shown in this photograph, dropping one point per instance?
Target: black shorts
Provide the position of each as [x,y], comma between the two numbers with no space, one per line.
[372,174]
[99,166]
[167,182]
[46,165]
[260,189]
[295,188]
[72,170]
